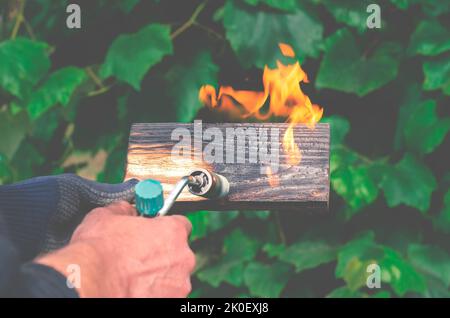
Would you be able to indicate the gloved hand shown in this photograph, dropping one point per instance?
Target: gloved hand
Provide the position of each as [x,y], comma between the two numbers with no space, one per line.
[41,214]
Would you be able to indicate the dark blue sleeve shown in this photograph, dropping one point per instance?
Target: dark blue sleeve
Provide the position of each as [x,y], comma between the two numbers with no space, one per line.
[25,211]
[29,279]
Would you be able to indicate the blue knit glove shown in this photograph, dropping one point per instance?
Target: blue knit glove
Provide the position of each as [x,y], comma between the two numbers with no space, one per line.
[41,214]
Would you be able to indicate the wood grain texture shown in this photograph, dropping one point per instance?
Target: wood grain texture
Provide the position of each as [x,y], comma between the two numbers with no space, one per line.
[303,186]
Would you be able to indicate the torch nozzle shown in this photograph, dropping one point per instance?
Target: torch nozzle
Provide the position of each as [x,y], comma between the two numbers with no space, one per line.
[208,184]
[195,181]
[200,182]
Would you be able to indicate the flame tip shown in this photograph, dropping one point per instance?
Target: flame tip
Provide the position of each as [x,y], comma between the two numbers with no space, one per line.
[286,99]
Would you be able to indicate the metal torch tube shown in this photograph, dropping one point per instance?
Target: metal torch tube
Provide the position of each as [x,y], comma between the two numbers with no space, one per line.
[174,194]
[217,187]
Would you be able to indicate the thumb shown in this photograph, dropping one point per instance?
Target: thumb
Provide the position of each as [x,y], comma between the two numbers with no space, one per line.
[119,208]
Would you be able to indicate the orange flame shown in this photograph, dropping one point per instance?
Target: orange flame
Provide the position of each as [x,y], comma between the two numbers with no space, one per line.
[273,179]
[286,50]
[286,99]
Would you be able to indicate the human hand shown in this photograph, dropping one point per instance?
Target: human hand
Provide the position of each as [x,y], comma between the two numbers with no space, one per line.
[122,255]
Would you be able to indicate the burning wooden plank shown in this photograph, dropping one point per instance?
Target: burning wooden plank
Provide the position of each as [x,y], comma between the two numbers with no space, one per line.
[259,171]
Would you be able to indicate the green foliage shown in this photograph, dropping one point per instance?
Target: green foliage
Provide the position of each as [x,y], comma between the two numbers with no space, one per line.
[282,5]
[351,12]
[437,75]
[339,128]
[408,182]
[264,280]
[423,130]
[238,249]
[57,89]
[205,222]
[443,220]
[22,63]
[303,255]
[254,34]
[131,56]
[363,73]
[14,129]
[430,38]
[185,81]
[355,256]
[385,94]
[432,261]
[355,185]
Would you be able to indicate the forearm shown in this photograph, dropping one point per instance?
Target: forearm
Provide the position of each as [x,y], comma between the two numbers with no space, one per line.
[28,280]
[83,266]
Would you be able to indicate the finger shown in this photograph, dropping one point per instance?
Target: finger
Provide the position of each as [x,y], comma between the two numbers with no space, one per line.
[183,221]
[120,208]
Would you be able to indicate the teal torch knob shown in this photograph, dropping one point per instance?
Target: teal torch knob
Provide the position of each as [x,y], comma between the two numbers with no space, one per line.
[149,197]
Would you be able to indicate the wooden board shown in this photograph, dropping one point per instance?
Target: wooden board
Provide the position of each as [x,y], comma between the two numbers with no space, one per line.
[302,186]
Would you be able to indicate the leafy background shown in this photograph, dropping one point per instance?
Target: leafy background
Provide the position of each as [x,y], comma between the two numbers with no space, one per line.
[68,97]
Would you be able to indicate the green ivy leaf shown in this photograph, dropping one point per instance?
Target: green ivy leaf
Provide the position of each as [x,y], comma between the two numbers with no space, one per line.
[363,74]
[226,271]
[403,4]
[26,161]
[353,259]
[185,82]
[274,250]
[351,12]
[437,75]
[431,260]
[127,5]
[424,131]
[22,63]
[400,274]
[286,5]
[58,89]
[410,103]
[132,55]
[5,170]
[266,280]
[238,248]
[114,166]
[429,38]
[433,8]
[45,127]
[356,186]
[304,255]
[339,128]
[205,222]
[262,215]
[409,182]
[345,292]
[254,34]
[13,130]
[356,255]
[382,294]
[442,222]
[342,157]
